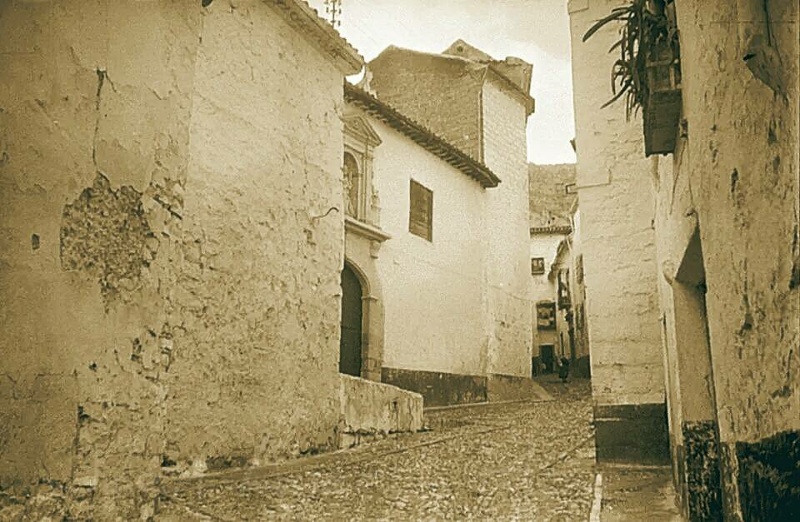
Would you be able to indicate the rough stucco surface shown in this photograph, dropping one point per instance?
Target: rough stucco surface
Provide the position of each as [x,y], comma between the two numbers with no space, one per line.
[550,203]
[735,177]
[504,149]
[373,410]
[617,239]
[406,80]
[259,296]
[161,253]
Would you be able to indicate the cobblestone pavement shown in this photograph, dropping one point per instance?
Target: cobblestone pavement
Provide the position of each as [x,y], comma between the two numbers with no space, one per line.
[515,461]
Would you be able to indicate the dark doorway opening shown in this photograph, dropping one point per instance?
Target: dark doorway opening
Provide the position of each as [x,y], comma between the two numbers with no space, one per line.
[350,344]
[548,354]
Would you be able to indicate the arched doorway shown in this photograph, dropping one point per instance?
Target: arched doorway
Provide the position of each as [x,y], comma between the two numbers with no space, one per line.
[350,344]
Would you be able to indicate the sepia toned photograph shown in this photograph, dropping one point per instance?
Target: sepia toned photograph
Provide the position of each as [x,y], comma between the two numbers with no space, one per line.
[400,260]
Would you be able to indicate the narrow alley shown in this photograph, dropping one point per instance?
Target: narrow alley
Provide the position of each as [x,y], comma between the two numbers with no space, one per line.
[334,260]
[511,461]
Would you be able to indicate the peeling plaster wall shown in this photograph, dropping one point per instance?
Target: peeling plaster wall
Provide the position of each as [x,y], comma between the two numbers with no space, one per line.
[94,112]
[258,298]
[162,250]
[618,246]
[735,176]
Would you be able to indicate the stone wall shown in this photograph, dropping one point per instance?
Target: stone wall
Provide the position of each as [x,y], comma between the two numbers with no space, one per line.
[413,82]
[550,203]
[732,186]
[169,285]
[372,410]
[619,257]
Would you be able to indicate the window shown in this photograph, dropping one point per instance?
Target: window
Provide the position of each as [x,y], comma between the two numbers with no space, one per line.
[420,221]
[563,289]
[546,315]
[537,265]
[352,186]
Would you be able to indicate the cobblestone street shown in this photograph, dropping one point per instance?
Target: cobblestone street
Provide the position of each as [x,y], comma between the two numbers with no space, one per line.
[514,461]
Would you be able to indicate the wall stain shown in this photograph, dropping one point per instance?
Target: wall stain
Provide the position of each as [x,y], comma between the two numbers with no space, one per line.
[769,477]
[104,233]
[704,489]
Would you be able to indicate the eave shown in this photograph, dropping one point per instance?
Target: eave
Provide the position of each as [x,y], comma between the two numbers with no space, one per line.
[421,136]
[305,20]
[556,229]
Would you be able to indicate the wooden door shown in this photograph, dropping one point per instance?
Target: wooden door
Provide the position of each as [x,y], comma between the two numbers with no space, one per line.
[350,344]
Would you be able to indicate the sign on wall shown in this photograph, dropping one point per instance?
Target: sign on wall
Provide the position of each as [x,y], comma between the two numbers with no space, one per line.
[546,315]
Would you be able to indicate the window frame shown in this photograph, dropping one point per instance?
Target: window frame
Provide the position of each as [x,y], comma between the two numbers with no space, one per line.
[420,228]
[535,270]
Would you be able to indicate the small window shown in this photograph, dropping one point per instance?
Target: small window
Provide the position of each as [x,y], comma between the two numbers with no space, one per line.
[537,265]
[420,220]
[546,315]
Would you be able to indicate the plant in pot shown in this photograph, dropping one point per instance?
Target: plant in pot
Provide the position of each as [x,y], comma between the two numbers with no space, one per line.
[647,72]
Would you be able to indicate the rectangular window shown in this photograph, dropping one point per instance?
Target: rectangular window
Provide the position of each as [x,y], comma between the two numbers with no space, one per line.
[546,315]
[420,221]
[537,265]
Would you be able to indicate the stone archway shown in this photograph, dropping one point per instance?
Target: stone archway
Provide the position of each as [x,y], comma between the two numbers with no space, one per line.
[370,311]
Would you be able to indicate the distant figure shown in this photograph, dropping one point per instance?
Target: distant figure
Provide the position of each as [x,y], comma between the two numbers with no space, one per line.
[563,369]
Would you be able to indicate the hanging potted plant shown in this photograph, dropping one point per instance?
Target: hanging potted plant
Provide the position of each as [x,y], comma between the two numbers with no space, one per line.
[647,73]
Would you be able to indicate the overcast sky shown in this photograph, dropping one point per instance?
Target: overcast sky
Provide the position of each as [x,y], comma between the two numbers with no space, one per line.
[534,30]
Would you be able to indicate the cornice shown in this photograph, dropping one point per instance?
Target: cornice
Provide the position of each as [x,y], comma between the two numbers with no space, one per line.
[304,19]
[366,230]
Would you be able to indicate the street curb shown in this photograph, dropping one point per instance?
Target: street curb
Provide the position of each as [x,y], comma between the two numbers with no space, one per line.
[597,505]
[484,403]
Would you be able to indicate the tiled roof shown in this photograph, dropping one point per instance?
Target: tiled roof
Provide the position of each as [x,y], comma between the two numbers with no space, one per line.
[420,135]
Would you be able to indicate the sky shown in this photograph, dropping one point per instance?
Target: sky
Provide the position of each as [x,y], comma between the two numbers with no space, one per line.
[535,30]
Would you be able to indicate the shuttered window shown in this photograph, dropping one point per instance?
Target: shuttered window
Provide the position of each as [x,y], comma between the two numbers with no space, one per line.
[420,220]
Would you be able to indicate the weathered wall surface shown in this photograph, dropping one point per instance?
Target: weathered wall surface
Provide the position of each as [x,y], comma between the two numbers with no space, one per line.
[504,151]
[413,82]
[258,300]
[371,410]
[433,290]
[93,139]
[550,204]
[159,251]
[615,198]
[735,178]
